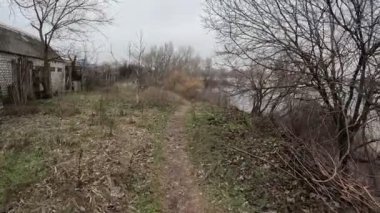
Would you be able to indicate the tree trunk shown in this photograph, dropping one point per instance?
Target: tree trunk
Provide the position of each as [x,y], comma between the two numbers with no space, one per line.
[46,76]
[69,74]
[255,112]
[256,107]
[343,148]
[345,137]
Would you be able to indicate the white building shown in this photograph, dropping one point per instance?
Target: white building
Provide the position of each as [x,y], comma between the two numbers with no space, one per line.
[15,44]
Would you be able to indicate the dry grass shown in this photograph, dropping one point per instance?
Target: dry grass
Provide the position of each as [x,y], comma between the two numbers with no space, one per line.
[185,84]
[86,152]
[159,97]
[10,110]
[240,164]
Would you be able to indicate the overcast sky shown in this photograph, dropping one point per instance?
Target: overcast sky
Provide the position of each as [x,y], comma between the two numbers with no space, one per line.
[160,21]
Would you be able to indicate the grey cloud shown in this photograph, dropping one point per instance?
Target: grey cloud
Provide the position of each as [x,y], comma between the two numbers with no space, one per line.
[178,21]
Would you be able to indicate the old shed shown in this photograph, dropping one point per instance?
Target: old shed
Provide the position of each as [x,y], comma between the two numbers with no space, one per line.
[21,62]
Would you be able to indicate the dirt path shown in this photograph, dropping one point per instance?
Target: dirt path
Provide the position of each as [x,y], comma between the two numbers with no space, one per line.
[178,180]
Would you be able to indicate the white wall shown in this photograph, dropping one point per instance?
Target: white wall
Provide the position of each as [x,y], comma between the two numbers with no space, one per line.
[5,72]
[57,78]
[6,79]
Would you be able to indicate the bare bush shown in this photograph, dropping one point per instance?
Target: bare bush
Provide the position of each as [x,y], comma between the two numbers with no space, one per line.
[216,97]
[314,164]
[185,84]
[126,71]
[159,97]
[313,157]
[99,76]
[175,69]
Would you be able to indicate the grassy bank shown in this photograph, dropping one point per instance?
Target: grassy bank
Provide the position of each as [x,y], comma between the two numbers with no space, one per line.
[240,168]
[90,151]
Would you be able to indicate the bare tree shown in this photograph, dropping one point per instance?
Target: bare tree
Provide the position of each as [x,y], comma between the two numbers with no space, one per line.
[159,60]
[55,19]
[254,82]
[185,60]
[332,46]
[136,51]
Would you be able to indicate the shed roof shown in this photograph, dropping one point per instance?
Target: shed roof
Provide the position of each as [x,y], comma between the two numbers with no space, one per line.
[17,42]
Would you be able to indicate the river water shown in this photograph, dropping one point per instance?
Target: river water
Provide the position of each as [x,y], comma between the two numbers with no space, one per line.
[242,102]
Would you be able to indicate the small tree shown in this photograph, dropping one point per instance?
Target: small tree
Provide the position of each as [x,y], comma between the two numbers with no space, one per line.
[137,51]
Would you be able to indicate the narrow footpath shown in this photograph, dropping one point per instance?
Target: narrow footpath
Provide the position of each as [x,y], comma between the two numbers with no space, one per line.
[182,194]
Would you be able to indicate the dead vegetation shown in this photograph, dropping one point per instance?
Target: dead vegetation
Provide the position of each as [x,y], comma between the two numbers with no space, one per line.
[311,156]
[185,84]
[290,54]
[336,190]
[160,97]
[253,166]
[239,164]
[86,152]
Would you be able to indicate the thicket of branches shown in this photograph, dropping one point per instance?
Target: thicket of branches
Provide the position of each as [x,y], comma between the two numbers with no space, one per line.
[157,61]
[158,64]
[165,66]
[290,53]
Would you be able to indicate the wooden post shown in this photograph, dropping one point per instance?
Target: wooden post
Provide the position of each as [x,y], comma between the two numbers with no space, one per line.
[22,88]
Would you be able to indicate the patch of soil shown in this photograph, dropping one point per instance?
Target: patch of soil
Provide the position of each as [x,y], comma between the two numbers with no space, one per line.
[178,176]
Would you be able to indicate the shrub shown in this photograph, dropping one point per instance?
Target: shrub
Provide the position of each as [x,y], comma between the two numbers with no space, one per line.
[185,84]
[159,97]
[214,97]
[312,154]
[309,122]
